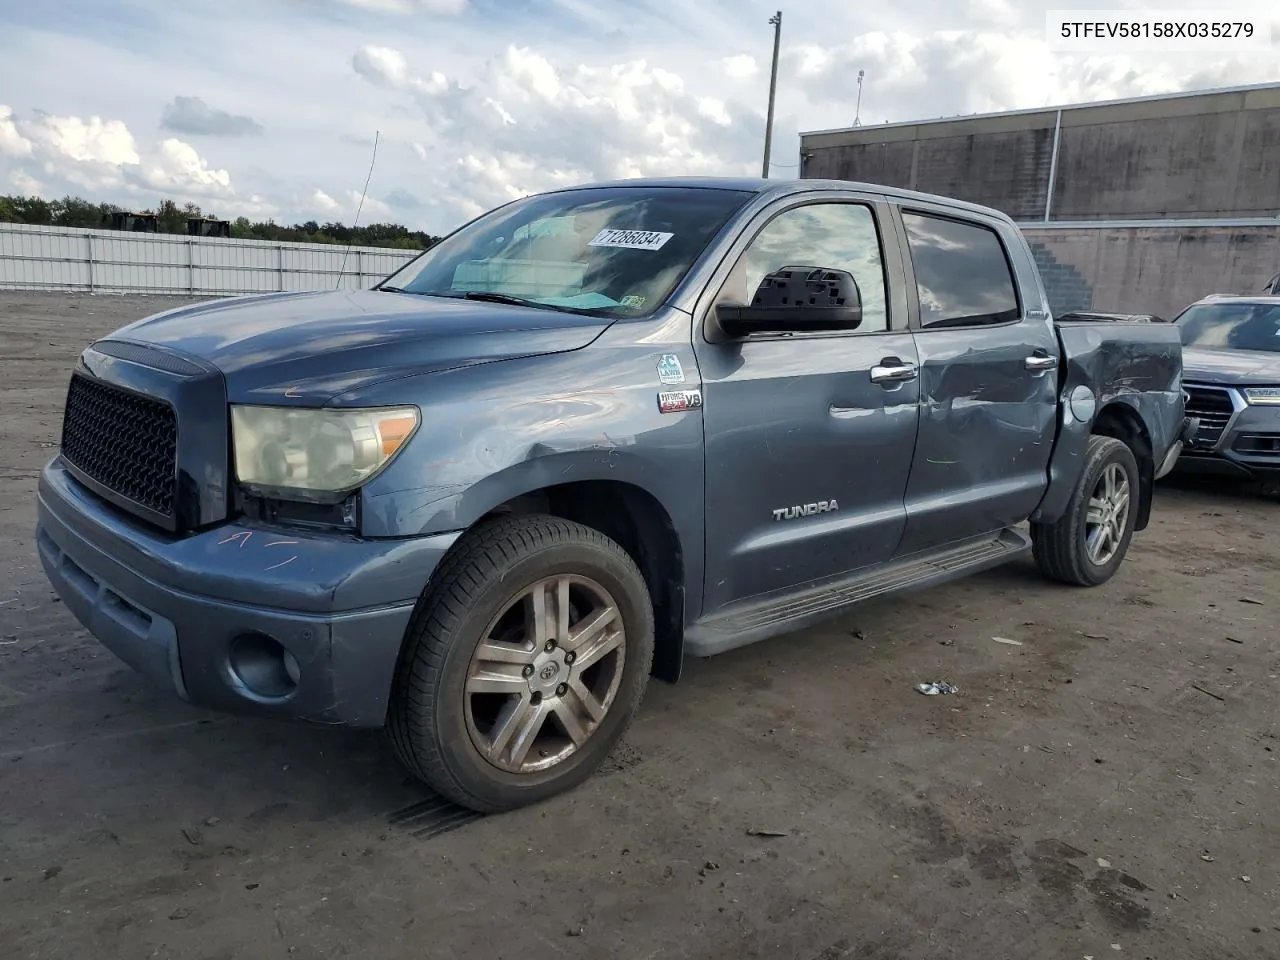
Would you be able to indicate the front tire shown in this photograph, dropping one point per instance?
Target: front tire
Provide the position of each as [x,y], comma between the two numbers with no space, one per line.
[1088,543]
[524,664]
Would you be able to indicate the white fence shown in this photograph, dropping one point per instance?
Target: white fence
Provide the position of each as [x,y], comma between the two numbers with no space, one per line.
[116,261]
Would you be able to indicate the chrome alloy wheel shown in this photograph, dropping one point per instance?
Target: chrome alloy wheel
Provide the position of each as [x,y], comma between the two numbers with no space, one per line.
[545,674]
[1108,515]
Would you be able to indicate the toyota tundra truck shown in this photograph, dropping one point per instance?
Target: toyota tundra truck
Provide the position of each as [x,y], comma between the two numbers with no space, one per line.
[590,433]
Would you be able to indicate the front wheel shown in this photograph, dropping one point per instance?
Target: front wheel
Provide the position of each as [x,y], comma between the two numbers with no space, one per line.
[1088,543]
[524,665]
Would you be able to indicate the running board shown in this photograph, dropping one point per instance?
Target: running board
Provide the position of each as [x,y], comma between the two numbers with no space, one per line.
[756,620]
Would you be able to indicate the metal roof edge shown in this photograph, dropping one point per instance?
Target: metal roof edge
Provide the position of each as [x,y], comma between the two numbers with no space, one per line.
[1049,108]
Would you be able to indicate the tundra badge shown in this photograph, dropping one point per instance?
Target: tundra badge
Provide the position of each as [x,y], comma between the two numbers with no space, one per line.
[807,510]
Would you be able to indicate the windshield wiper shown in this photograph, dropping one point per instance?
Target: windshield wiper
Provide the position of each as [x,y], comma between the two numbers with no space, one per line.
[486,296]
[386,289]
[502,298]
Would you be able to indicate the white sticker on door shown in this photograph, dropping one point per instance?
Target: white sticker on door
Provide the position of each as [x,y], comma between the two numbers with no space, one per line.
[631,239]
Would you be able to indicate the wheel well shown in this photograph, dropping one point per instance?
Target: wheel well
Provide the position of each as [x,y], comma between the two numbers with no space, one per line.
[637,522]
[1122,422]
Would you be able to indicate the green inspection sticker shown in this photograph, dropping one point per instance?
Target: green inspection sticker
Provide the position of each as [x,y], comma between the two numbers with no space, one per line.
[633,301]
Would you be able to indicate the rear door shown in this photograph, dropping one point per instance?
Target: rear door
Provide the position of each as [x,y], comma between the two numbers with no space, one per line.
[989,362]
[808,437]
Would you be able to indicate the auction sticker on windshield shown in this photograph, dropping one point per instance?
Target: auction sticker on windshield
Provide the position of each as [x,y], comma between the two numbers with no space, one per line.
[631,239]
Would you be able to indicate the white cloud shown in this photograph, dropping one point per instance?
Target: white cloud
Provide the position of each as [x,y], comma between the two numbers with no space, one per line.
[996,12]
[525,122]
[739,67]
[181,169]
[564,90]
[11,141]
[442,7]
[952,72]
[323,202]
[26,186]
[88,141]
[715,110]
[381,65]
[371,207]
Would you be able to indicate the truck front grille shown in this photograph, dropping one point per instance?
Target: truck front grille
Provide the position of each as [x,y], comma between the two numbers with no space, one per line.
[1214,408]
[122,440]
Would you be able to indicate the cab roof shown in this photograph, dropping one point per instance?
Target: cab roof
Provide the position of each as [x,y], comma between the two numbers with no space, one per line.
[784,188]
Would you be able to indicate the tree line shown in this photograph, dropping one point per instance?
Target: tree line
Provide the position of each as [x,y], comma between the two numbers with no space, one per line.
[172,218]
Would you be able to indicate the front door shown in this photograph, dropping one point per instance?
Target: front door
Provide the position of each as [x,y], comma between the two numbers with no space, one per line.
[988,383]
[808,438]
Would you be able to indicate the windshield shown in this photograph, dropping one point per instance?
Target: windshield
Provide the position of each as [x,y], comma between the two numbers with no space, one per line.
[1232,326]
[611,250]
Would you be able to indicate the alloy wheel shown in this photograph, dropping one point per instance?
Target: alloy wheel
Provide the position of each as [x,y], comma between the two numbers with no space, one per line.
[1108,514]
[545,674]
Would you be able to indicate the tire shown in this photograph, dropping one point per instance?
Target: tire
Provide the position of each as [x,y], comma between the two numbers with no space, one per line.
[1061,549]
[471,664]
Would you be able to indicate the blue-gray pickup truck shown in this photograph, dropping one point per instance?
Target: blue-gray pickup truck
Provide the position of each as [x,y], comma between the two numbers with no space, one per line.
[588,434]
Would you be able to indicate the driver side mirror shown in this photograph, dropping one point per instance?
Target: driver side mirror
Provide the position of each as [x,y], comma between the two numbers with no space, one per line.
[796,300]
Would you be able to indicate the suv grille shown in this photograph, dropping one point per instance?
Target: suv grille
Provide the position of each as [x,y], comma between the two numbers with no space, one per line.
[1214,408]
[124,441]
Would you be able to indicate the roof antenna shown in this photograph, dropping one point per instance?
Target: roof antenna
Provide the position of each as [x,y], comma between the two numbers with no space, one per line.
[356,222]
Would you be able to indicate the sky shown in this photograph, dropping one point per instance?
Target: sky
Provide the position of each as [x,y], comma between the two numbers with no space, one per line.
[269,108]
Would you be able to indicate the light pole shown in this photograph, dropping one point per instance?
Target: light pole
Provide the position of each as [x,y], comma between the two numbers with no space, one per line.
[776,20]
[857,114]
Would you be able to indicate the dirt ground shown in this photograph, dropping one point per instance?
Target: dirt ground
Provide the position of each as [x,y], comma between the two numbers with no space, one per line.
[1106,788]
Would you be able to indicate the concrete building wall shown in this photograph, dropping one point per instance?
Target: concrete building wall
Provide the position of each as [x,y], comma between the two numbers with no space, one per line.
[1213,154]
[1155,269]
[1203,157]
[1003,168]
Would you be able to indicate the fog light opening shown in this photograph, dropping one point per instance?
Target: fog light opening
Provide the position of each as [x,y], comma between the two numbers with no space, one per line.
[263,666]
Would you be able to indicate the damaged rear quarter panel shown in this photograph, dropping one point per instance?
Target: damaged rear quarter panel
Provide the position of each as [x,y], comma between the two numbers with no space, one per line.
[1138,365]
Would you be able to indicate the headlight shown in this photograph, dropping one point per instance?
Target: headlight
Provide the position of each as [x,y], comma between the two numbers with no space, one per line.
[1263,395]
[316,451]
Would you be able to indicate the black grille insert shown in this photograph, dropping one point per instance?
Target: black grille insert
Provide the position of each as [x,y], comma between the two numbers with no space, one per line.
[1214,408]
[122,440]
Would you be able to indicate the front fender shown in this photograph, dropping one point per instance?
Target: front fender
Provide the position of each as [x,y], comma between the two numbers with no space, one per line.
[496,432]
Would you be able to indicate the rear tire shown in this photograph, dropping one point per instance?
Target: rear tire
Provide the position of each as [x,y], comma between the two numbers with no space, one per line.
[524,664]
[1088,543]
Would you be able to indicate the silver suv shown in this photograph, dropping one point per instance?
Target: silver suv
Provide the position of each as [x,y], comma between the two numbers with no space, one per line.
[1231,373]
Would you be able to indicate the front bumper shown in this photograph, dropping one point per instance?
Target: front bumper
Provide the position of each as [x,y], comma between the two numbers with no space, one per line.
[184,610]
[1247,447]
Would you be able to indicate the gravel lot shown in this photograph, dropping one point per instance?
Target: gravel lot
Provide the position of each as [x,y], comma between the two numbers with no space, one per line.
[1107,788]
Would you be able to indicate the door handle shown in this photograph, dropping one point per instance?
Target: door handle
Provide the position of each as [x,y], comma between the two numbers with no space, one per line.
[1038,362]
[897,372]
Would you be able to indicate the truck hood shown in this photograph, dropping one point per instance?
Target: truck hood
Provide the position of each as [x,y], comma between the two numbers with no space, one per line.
[1228,367]
[312,347]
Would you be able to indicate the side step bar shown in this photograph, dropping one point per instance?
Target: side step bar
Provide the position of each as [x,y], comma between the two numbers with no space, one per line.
[756,619]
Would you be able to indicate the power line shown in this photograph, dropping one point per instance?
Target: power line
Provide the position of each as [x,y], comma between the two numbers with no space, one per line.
[372,160]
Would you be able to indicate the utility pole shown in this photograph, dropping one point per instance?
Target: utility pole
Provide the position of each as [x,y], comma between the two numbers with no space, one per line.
[776,20]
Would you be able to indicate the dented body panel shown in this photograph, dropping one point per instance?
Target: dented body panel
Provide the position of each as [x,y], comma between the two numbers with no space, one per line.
[1131,370]
[766,467]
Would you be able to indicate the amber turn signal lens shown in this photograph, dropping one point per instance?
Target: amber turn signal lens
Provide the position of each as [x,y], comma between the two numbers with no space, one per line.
[394,431]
